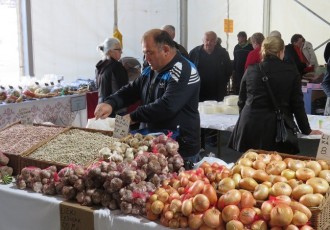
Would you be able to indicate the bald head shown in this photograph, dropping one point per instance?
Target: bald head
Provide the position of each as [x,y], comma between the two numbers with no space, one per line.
[170,30]
[209,41]
[158,48]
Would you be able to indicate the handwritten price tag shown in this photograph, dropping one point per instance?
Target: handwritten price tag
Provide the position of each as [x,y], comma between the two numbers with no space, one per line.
[323,152]
[121,126]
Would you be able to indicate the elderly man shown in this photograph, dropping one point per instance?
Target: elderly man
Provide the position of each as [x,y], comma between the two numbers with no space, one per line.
[214,66]
[171,30]
[168,89]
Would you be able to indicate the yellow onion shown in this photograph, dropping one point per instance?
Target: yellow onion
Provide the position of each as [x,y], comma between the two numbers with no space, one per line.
[315,166]
[234,225]
[281,215]
[251,155]
[259,164]
[299,218]
[323,164]
[291,227]
[301,190]
[311,200]
[295,164]
[325,174]
[319,185]
[275,167]
[248,184]
[295,205]
[245,161]
[264,157]
[226,184]
[259,225]
[281,188]
[230,212]
[261,192]
[304,174]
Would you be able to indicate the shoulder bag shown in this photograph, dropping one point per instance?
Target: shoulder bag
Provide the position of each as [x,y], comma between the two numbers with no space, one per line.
[286,129]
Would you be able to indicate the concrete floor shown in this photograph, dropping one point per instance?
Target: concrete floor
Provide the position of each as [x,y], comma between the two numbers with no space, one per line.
[308,147]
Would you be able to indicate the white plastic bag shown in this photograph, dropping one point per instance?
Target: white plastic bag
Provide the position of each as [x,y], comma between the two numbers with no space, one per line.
[107,124]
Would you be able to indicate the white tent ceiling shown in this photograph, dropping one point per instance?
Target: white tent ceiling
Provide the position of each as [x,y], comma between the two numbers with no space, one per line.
[65,33]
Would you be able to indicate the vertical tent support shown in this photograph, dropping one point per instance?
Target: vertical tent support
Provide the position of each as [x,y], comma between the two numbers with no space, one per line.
[184,23]
[266,18]
[26,61]
[115,16]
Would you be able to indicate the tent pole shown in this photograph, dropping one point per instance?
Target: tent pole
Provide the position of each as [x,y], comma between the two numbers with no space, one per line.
[266,18]
[184,23]
[115,15]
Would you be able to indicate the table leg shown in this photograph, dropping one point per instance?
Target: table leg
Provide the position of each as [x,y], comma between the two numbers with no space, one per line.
[202,138]
[218,155]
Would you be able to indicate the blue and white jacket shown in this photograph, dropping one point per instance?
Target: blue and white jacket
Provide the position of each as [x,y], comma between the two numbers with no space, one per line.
[169,100]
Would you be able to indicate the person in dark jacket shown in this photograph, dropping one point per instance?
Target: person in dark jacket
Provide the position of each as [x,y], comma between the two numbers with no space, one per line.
[171,30]
[168,89]
[214,67]
[256,126]
[294,55]
[110,73]
[241,51]
[326,88]
[327,52]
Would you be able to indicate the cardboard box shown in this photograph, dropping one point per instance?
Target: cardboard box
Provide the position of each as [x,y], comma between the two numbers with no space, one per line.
[74,216]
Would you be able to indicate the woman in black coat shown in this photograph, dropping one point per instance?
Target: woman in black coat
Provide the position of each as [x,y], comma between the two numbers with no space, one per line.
[110,74]
[256,126]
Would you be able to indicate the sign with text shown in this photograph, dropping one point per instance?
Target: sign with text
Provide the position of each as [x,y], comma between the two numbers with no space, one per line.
[323,152]
[121,126]
[228,26]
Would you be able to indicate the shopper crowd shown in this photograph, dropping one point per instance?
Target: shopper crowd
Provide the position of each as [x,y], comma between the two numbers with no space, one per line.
[173,81]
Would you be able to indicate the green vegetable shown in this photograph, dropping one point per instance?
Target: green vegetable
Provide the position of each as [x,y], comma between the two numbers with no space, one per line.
[6,179]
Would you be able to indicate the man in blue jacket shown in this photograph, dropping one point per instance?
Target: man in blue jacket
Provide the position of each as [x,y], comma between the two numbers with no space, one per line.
[168,89]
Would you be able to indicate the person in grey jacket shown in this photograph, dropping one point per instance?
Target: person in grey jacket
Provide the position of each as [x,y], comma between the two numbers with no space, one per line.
[168,89]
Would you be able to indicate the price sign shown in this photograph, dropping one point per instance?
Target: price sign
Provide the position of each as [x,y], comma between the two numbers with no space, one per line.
[121,126]
[323,152]
[228,25]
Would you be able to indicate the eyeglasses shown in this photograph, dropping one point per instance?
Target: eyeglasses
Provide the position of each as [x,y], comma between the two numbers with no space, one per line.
[119,49]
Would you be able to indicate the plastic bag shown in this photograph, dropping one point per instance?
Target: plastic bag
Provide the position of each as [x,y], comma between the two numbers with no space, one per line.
[107,124]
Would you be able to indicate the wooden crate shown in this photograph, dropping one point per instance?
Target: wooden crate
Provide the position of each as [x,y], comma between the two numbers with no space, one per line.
[14,159]
[26,160]
[321,214]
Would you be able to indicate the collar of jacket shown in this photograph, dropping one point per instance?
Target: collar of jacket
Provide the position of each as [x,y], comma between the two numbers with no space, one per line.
[104,62]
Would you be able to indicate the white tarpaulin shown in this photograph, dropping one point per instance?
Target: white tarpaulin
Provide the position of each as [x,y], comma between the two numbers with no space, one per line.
[65,33]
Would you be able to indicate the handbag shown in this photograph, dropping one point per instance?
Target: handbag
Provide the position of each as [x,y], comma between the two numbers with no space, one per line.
[286,128]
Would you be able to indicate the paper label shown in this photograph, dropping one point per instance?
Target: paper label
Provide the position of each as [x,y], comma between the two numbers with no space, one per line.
[121,126]
[323,152]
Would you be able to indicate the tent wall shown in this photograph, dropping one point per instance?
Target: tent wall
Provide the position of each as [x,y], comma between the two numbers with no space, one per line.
[65,33]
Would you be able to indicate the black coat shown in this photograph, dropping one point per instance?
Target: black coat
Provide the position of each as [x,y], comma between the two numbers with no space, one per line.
[292,57]
[214,73]
[256,126]
[110,76]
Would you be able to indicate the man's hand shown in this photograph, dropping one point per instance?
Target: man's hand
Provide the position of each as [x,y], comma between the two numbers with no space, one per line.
[102,111]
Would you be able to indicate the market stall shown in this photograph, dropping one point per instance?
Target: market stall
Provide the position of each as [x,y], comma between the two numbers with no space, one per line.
[63,110]
[224,122]
[23,209]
